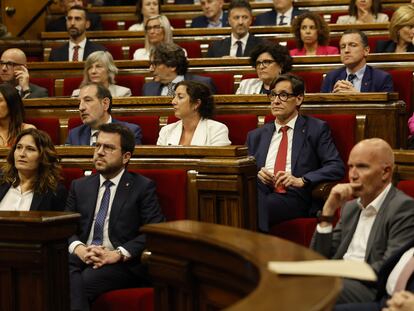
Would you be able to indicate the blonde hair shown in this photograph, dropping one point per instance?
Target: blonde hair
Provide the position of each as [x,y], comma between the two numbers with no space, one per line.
[106,60]
[403,16]
[166,26]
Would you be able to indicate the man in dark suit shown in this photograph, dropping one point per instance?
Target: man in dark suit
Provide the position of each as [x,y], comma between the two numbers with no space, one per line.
[168,66]
[241,42]
[356,75]
[79,47]
[113,204]
[293,154]
[372,227]
[59,24]
[214,16]
[282,15]
[14,71]
[95,109]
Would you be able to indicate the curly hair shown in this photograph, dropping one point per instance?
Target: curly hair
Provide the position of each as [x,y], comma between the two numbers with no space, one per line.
[376,8]
[321,26]
[200,92]
[170,55]
[49,171]
[16,111]
[138,10]
[279,53]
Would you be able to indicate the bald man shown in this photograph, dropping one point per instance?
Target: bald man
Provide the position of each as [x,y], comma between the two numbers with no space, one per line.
[372,227]
[14,71]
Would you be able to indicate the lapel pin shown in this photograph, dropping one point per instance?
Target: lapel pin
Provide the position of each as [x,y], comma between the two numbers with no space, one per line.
[127,184]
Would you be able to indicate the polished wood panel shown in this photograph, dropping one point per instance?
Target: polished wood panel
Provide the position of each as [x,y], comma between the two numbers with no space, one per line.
[199,266]
[34,260]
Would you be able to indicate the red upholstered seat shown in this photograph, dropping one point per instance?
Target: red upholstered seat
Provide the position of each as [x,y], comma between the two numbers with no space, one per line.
[149,126]
[109,25]
[403,84]
[335,15]
[372,41]
[177,22]
[249,76]
[313,80]
[69,174]
[193,49]
[70,84]
[134,82]
[47,83]
[115,50]
[224,82]
[49,125]
[239,125]
[133,48]
[407,186]
[139,299]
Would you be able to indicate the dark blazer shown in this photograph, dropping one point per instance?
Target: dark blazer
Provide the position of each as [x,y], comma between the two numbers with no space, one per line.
[61,54]
[314,154]
[154,88]
[59,24]
[81,135]
[135,204]
[37,91]
[202,21]
[222,47]
[374,80]
[393,227]
[269,18]
[389,46]
[49,201]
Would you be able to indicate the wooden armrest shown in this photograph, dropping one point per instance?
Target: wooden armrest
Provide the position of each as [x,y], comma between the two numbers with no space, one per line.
[321,191]
[146,254]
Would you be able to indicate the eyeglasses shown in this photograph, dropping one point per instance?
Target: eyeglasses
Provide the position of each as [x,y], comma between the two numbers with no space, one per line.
[282,96]
[155,28]
[265,63]
[105,147]
[9,64]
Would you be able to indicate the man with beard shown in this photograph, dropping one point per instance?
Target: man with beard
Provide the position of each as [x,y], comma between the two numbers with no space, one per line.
[13,70]
[95,109]
[79,47]
[241,42]
[114,203]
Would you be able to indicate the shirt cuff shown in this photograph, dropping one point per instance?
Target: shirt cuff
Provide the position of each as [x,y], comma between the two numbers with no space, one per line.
[73,245]
[324,230]
[124,252]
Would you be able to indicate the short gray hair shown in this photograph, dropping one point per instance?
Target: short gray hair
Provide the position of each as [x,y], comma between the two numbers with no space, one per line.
[104,58]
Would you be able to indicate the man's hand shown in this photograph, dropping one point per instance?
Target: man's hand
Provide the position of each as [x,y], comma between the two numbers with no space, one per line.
[266,177]
[80,251]
[287,179]
[343,86]
[338,196]
[400,301]
[99,256]
[21,75]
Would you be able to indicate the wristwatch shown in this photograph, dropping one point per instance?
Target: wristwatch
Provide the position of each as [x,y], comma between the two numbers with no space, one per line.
[325,218]
[118,250]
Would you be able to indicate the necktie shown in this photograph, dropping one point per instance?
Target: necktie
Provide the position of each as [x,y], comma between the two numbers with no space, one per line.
[75,56]
[101,215]
[281,20]
[280,163]
[93,138]
[170,87]
[351,77]
[405,275]
[239,52]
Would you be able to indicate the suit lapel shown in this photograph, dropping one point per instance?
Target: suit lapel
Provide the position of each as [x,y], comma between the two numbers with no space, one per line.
[265,140]
[85,137]
[89,200]
[366,80]
[349,227]
[3,190]
[86,51]
[121,195]
[299,135]
[37,199]
[227,45]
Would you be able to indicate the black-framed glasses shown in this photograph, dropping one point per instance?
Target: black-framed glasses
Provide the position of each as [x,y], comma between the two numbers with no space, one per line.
[105,147]
[283,96]
[155,28]
[265,63]
[9,64]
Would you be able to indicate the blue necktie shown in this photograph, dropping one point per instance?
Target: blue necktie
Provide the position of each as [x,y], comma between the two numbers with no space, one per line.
[100,217]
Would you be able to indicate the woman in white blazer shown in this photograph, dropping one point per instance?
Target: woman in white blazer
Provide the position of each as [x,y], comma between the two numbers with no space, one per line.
[270,60]
[100,68]
[193,104]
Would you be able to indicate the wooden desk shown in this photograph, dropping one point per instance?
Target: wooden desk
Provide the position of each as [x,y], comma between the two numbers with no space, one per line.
[34,260]
[198,266]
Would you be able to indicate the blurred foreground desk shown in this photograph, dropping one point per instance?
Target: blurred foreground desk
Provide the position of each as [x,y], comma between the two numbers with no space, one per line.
[202,266]
[34,260]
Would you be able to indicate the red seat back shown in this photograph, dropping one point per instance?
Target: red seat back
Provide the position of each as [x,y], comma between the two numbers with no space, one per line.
[407,186]
[140,299]
[70,84]
[109,24]
[115,50]
[239,125]
[171,191]
[134,82]
[133,48]
[177,22]
[69,174]
[49,125]
[335,15]
[193,49]
[47,83]
[313,80]
[403,84]
[224,82]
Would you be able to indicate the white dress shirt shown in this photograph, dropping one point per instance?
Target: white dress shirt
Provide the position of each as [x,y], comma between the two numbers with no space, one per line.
[287,17]
[357,82]
[274,146]
[15,200]
[179,78]
[80,51]
[234,46]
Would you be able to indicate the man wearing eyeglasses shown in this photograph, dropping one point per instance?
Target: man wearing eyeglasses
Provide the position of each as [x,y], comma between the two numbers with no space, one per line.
[293,154]
[241,42]
[14,71]
[168,66]
[95,104]
[113,204]
[78,47]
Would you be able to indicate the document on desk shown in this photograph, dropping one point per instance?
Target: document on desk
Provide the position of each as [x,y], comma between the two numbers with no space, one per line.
[342,268]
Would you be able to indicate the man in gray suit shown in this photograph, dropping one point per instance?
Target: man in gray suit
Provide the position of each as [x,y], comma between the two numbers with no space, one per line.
[13,70]
[168,66]
[372,227]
